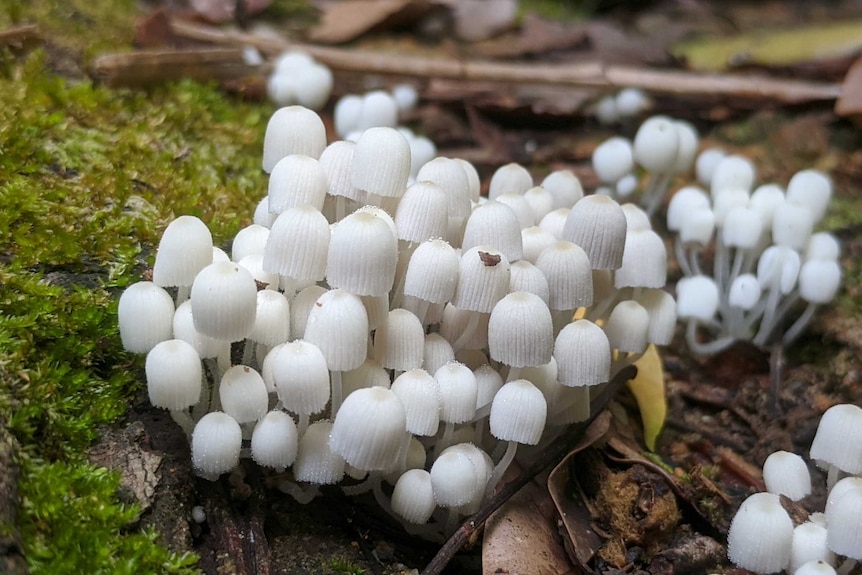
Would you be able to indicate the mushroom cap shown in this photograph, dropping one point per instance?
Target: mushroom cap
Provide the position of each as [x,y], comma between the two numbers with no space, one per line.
[275,441]
[760,535]
[369,429]
[216,442]
[518,412]
[173,371]
[838,440]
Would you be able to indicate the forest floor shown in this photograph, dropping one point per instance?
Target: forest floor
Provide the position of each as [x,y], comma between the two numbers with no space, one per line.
[661,512]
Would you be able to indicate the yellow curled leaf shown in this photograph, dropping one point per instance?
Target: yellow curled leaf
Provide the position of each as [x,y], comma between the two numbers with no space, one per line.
[648,389]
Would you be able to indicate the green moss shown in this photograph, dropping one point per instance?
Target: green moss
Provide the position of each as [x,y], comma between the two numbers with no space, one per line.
[344,567]
[73,523]
[84,27]
[89,177]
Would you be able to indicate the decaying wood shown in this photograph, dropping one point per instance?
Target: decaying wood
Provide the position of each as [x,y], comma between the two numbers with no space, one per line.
[668,82]
[144,68]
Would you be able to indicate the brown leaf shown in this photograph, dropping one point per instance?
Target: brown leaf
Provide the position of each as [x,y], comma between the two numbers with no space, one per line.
[849,103]
[537,36]
[574,515]
[520,537]
[345,21]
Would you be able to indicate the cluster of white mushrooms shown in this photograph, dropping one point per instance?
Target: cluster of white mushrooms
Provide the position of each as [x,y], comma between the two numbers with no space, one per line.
[765,258]
[382,326]
[762,536]
[373,328]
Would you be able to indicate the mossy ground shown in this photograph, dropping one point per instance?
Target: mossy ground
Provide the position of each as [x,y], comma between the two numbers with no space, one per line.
[88,179]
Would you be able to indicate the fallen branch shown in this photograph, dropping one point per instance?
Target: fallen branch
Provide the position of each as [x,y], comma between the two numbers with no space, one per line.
[591,74]
[145,68]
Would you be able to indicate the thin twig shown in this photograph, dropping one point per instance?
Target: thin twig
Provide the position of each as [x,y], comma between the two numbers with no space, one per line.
[582,434]
[594,74]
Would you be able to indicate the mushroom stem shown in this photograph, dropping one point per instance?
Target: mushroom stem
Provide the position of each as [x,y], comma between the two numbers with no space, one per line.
[184,420]
[336,392]
[708,348]
[302,495]
[501,467]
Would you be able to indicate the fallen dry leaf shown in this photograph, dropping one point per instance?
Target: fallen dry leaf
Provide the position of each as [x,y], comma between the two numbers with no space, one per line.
[849,103]
[537,36]
[346,21]
[521,537]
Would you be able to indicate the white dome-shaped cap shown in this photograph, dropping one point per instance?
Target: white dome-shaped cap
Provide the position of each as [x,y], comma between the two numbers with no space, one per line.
[815,568]
[644,261]
[419,392]
[732,173]
[613,159]
[145,316]
[379,108]
[661,308]
[363,254]
[184,249]
[274,441]
[683,202]
[521,331]
[298,244]
[535,240]
[838,440]
[510,178]
[224,301]
[688,141]
[381,162]
[844,530]
[565,186]
[785,473]
[488,382]
[216,442]
[822,246]
[494,224]
[315,461]
[296,180]
[656,144]
[292,130]
[346,114]
[184,329]
[483,279]
[432,272]
[300,376]
[459,475]
[413,497]
[518,413]
[173,372]
[696,298]
[744,292]
[301,306]
[809,544]
[760,535]
[819,280]
[248,241]
[338,325]
[812,189]
[540,201]
[705,164]
[369,429]
[421,213]
[458,392]
[243,394]
[437,352]
[598,225]
[583,354]
[628,326]
[453,180]
[524,276]
[272,319]
[399,341]
[570,279]
[778,266]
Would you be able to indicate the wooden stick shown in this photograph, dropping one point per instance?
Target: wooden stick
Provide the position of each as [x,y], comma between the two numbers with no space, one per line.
[594,74]
[155,66]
